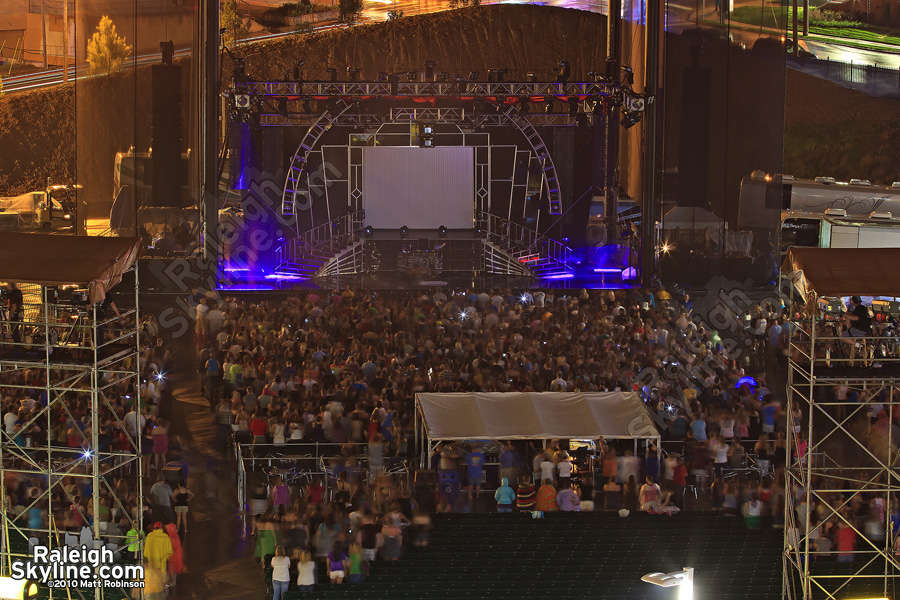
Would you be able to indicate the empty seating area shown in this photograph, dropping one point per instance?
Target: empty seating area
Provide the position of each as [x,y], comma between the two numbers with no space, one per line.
[587,555]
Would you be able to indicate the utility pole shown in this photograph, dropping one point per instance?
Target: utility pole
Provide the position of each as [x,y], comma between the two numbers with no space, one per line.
[796,38]
[805,18]
[44,33]
[65,41]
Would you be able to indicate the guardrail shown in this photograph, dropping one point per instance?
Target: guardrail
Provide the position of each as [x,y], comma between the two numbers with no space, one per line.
[869,79]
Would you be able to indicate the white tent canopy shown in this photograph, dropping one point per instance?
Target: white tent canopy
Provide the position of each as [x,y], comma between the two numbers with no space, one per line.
[535,415]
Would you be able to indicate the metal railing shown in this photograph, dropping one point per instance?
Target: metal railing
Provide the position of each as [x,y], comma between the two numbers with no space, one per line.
[869,79]
[342,230]
[523,238]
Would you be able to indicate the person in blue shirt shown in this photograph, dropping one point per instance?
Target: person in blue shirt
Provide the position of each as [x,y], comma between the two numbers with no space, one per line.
[474,463]
[505,497]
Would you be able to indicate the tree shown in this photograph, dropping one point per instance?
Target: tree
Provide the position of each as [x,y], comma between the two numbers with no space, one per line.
[350,10]
[232,22]
[106,50]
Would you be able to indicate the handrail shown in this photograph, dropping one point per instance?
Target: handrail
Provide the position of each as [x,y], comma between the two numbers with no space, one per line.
[342,229]
[527,238]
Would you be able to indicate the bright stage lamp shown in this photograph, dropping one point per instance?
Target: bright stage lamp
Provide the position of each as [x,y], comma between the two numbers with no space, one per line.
[684,580]
[17,589]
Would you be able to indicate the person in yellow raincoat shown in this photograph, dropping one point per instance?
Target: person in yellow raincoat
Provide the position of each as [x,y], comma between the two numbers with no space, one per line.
[158,547]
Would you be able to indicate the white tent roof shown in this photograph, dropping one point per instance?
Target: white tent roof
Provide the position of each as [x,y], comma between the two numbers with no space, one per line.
[535,415]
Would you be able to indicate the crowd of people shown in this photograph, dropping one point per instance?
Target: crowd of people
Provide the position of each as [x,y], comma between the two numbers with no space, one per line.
[341,370]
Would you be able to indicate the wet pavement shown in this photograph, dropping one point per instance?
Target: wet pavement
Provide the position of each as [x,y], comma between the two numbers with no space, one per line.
[218,553]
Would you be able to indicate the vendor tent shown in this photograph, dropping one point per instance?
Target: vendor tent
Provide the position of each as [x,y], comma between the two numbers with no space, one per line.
[843,271]
[534,415]
[96,262]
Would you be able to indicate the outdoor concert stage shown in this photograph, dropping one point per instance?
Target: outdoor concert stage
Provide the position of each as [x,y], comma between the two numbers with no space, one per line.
[419,184]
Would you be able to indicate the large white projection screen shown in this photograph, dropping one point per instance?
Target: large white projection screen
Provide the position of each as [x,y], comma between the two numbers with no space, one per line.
[422,188]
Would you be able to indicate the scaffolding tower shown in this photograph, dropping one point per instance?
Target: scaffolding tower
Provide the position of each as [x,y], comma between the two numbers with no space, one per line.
[841,480]
[81,361]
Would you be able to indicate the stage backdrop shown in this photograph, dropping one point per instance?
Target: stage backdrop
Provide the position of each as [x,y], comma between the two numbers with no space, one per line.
[422,188]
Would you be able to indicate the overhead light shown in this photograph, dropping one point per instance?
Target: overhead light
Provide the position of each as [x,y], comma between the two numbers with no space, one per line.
[404,232]
[369,232]
[442,232]
[17,589]
[630,119]
[683,579]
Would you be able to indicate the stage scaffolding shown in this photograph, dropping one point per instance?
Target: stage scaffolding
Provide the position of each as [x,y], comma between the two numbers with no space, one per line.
[82,361]
[850,457]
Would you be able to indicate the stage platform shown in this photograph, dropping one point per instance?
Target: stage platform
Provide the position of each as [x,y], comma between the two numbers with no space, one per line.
[397,280]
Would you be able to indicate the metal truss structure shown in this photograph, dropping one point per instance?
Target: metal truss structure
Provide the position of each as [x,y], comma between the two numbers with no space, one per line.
[841,472]
[411,90]
[359,118]
[79,372]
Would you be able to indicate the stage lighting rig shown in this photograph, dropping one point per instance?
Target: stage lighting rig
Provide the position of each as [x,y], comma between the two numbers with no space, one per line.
[332,74]
[630,119]
[496,75]
[563,71]
[297,72]
[412,75]
[530,77]
[473,75]
[523,106]
[353,73]
[429,70]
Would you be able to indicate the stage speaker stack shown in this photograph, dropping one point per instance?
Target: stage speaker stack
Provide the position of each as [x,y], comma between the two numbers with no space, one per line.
[169,174]
[693,147]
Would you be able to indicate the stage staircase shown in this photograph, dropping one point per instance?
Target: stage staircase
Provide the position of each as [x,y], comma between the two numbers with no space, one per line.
[320,247]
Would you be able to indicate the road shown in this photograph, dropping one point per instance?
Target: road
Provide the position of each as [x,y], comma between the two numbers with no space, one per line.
[685,16]
[680,16]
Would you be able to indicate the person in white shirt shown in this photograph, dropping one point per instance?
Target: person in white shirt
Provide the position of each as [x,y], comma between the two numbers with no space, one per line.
[281,573]
[548,470]
[564,467]
[559,384]
[306,572]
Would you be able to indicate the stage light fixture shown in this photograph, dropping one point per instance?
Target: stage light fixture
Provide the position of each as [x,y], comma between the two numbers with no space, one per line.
[530,77]
[631,119]
[404,232]
[412,75]
[473,75]
[382,76]
[548,105]
[442,232]
[445,76]
[332,72]
[353,73]
[523,106]
[429,69]
[497,75]
[369,232]
[563,72]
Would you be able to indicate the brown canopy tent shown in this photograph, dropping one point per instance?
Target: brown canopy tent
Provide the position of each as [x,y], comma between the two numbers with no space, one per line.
[97,262]
[843,271]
